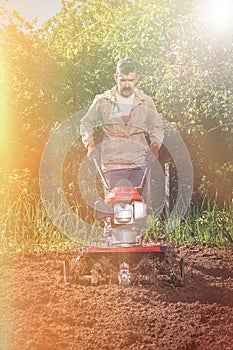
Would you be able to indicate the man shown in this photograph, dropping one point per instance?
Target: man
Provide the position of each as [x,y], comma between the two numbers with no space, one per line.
[131,126]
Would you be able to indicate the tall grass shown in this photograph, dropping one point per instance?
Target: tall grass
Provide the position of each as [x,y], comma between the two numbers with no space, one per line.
[26,227]
[211,226]
[24,223]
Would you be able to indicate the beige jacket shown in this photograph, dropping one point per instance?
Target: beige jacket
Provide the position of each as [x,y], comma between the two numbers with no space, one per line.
[122,146]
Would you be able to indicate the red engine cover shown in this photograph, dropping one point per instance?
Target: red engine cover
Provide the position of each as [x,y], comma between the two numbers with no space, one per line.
[123,194]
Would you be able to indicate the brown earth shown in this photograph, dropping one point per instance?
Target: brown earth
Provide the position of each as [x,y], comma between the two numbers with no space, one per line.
[38,311]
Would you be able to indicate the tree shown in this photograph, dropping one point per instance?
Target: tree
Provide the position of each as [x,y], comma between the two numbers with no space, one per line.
[185,69]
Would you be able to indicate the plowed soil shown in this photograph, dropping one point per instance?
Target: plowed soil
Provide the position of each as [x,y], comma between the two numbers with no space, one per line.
[39,311]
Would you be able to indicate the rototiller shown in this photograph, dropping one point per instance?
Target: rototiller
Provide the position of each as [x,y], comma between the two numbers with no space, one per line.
[123,213]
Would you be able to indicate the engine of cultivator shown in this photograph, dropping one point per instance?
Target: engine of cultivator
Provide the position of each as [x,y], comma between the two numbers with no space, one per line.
[123,258]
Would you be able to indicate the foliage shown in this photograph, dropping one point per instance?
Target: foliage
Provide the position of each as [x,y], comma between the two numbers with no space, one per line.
[51,73]
[24,224]
[58,69]
[212,227]
[25,227]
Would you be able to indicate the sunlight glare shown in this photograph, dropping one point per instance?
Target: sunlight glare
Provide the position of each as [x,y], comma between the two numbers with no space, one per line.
[218,15]
[3,103]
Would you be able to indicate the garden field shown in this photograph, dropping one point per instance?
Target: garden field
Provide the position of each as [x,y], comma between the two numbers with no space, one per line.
[38,311]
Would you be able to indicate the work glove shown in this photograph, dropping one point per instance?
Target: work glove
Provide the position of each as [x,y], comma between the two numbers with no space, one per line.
[154,148]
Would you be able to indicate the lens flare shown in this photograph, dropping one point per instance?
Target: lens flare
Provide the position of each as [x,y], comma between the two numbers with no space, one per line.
[3,104]
[218,15]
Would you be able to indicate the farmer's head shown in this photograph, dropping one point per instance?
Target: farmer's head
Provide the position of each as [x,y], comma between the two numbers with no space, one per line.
[126,76]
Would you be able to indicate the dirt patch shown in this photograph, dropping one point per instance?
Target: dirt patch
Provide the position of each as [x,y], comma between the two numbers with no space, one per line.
[38,311]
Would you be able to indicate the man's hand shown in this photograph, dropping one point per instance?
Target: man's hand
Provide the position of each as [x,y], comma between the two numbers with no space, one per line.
[154,150]
[92,151]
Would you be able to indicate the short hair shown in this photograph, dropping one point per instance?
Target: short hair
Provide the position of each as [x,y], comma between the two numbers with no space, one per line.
[126,66]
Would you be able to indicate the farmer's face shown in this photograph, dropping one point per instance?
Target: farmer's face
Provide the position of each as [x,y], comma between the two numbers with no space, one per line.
[126,83]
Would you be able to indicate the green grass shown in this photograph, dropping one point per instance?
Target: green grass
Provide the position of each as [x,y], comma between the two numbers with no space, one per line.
[26,227]
[211,226]
[24,223]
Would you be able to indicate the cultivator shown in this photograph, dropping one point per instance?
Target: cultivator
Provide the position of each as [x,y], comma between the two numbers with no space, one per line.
[124,259]
[125,266]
